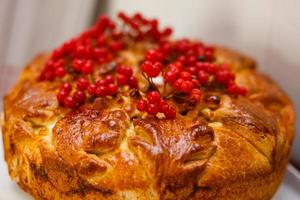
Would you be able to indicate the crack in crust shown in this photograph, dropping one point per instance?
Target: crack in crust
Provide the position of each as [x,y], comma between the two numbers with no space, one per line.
[85,137]
[175,160]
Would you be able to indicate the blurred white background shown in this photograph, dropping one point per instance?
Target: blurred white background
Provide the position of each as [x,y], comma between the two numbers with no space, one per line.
[267,30]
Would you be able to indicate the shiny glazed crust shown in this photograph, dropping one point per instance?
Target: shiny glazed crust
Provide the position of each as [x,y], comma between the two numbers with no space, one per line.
[104,150]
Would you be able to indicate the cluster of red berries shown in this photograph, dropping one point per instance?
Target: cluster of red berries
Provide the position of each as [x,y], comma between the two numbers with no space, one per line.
[66,99]
[101,88]
[153,63]
[191,69]
[93,47]
[142,28]
[190,79]
[104,87]
[186,66]
[125,76]
[154,104]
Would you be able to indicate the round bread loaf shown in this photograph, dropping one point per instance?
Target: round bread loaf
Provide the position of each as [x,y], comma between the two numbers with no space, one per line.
[224,147]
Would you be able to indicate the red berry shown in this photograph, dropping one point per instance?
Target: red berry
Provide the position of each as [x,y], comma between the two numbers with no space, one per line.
[123,16]
[116,45]
[82,83]
[79,97]
[49,75]
[186,86]
[62,94]
[163,105]
[210,48]
[154,22]
[111,25]
[224,76]
[146,66]
[57,53]
[103,22]
[185,75]
[60,72]
[170,112]
[212,68]
[77,64]
[178,65]
[112,89]
[191,52]
[127,71]
[234,89]
[177,84]
[195,95]
[156,68]
[167,32]
[173,68]
[152,109]
[59,63]
[165,48]
[152,70]
[49,65]
[133,82]
[122,79]
[92,89]
[201,66]
[138,16]
[170,76]
[41,76]
[101,91]
[196,83]
[183,45]
[67,87]
[153,56]
[142,105]
[81,51]
[87,67]
[193,70]
[182,59]
[99,52]
[191,60]
[196,91]
[203,77]
[209,56]
[109,79]
[133,24]
[243,91]
[101,82]
[69,102]
[153,97]
[69,45]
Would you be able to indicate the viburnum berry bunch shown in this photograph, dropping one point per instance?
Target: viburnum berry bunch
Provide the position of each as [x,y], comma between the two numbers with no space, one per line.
[94,48]
[141,28]
[154,104]
[88,66]
[125,77]
[192,68]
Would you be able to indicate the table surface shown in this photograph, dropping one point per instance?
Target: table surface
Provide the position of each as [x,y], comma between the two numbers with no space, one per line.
[290,189]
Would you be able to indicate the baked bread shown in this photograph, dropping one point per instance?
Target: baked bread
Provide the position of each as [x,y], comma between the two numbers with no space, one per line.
[225,145]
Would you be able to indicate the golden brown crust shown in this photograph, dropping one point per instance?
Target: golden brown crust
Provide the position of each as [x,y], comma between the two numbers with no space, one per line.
[103,150]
